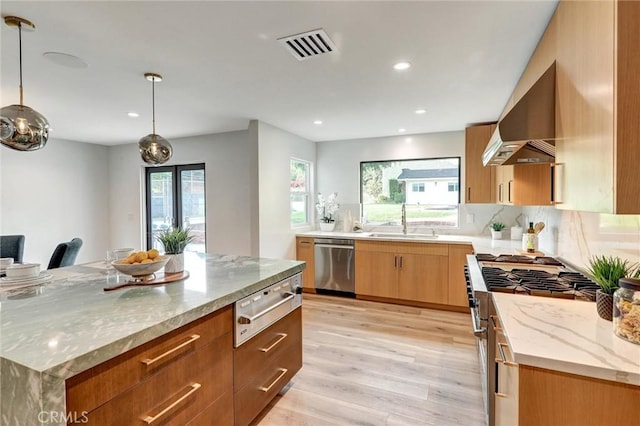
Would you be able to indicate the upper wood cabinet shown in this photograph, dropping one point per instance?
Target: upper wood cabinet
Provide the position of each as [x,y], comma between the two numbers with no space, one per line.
[598,106]
[525,185]
[479,180]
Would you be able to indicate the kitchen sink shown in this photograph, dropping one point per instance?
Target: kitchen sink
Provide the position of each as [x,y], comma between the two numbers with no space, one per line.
[403,236]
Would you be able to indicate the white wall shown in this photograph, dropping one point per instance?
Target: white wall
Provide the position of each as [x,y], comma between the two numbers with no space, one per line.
[275,149]
[338,170]
[55,194]
[228,190]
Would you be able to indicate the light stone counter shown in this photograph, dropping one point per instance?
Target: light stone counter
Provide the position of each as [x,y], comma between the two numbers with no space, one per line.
[567,336]
[50,333]
[480,243]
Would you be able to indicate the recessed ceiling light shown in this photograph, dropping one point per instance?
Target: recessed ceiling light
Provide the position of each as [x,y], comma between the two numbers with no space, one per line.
[401,66]
[317,122]
[402,130]
[133,114]
[421,111]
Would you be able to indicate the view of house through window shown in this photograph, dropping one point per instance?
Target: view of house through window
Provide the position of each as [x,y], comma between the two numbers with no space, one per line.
[300,192]
[430,189]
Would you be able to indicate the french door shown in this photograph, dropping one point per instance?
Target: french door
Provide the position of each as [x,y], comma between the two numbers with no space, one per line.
[176,198]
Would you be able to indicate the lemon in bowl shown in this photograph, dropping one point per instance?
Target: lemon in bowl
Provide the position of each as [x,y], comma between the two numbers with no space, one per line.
[141,264]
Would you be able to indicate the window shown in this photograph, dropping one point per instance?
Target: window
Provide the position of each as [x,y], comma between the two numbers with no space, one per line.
[429,188]
[300,186]
[176,198]
[417,187]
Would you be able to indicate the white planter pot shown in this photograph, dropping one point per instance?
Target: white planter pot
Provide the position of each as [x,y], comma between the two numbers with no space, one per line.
[496,235]
[175,263]
[327,226]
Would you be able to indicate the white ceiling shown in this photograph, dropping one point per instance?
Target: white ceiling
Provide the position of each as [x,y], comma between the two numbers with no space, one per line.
[222,65]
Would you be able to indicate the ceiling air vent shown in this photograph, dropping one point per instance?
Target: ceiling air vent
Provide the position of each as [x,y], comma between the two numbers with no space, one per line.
[308,45]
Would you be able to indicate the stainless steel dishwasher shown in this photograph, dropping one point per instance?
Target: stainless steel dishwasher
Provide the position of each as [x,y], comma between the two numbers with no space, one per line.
[335,266]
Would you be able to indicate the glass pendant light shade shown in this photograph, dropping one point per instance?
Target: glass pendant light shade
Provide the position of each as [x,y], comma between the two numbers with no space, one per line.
[154,149]
[22,128]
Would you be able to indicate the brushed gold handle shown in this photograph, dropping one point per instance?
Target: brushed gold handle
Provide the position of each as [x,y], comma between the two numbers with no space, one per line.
[148,361]
[501,395]
[503,357]
[281,337]
[150,419]
[283,371]
[494,322]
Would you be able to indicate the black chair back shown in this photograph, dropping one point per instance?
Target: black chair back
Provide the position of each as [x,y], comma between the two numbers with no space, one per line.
[65,254]
[12,246]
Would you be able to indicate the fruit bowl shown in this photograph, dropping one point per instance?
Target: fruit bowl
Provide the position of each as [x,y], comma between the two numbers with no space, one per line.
[140,270]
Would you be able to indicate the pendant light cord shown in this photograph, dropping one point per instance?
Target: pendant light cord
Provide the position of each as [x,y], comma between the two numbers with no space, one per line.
[153,103]
[20,49]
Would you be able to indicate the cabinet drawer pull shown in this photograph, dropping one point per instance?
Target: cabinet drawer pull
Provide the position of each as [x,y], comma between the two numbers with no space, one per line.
[395,261]
[400,262]
[283,371]
[495,326]
[281,337]
[503,357]
[150,419]
[501,395]
[148,361]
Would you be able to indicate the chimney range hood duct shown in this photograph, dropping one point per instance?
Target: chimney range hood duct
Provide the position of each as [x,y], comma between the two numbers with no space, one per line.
[527,133]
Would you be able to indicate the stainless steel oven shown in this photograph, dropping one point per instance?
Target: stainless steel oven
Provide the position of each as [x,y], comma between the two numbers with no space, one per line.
[259,310]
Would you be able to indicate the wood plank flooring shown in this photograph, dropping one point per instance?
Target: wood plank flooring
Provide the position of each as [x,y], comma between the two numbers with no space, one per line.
[370,363]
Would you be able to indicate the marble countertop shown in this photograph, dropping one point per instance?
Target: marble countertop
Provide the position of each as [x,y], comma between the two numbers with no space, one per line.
[481,243]
[52,332]
[567,336]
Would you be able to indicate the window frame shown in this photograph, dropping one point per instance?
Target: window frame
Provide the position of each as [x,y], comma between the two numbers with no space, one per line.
[306,194]
[420,226]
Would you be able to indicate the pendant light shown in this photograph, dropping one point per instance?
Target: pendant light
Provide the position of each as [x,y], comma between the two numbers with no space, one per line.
[154,149]
[22,128]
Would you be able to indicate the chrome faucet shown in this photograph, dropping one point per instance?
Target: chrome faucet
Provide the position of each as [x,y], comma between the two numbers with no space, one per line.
[404,219]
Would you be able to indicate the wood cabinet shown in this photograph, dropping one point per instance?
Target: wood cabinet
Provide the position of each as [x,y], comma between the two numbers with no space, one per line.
[479,180]
[405,271]
[173,379]
[305,253]
[457,283]
[525,185]
[264,364]
[598,102]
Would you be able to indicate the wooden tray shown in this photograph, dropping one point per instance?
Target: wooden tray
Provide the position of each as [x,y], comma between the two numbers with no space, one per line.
[159,279]
[526,253]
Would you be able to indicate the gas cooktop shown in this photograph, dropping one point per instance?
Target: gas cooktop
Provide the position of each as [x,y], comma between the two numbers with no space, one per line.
[525,260]
[563,284]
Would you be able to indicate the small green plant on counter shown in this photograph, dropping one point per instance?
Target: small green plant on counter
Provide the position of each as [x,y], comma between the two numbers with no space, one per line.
[175,240]
[606,271]
[497,226]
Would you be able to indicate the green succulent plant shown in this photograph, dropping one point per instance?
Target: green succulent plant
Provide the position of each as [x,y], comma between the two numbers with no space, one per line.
[607,270]
[175,240]
[498,226]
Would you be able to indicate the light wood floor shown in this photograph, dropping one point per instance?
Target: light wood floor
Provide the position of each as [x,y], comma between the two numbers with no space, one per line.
[369,363]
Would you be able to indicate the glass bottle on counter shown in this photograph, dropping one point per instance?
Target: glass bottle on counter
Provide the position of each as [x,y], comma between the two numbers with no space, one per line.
[626,310]
[530,240]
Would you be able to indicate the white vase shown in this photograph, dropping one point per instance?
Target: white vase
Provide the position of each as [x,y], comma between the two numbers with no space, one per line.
[496,235]
[175,263]
[327,226]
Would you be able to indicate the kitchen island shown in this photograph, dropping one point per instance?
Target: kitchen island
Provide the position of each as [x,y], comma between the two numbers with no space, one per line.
[60,329]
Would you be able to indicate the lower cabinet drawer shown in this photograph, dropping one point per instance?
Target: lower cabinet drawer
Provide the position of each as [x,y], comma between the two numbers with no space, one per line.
[175,395]
[264,364]
[265,346]
[220,413]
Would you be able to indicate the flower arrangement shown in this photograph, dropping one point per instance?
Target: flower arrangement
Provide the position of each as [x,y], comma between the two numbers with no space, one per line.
[327,207]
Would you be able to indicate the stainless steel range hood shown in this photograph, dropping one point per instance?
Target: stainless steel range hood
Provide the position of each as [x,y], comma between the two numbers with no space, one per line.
[526,134]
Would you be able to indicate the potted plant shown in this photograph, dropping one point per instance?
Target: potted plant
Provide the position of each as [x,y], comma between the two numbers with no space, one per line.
[606,271]
[496,230]
[327,208]
[174,241]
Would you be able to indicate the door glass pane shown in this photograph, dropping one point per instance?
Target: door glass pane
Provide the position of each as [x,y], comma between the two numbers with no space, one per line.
[161,203]
[193,207]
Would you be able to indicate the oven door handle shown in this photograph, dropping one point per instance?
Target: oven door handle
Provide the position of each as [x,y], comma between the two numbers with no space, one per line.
[477,331]
[248,320]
